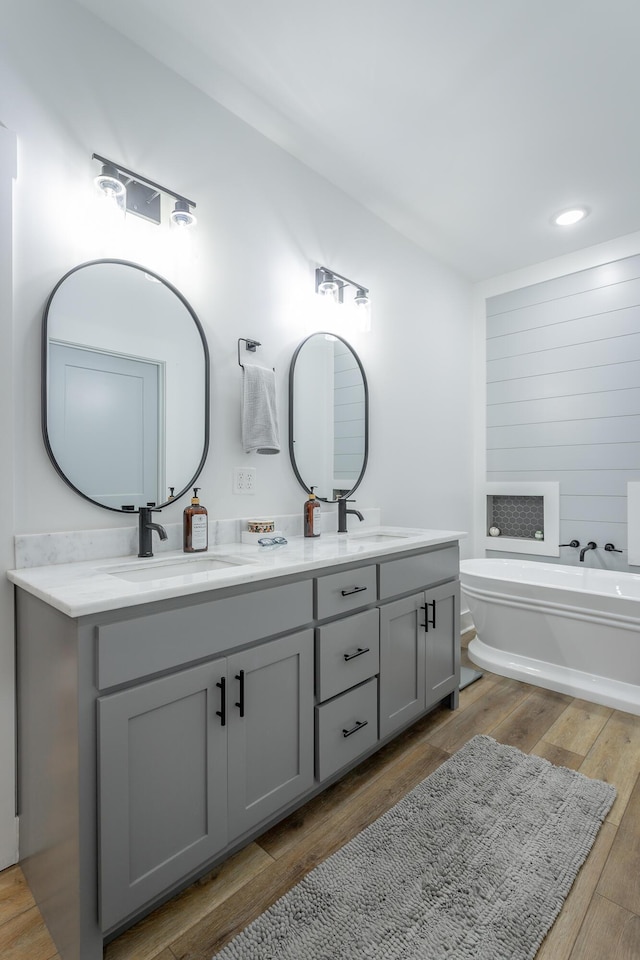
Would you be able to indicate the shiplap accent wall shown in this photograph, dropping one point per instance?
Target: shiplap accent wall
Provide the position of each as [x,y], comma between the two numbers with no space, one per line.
[563,397]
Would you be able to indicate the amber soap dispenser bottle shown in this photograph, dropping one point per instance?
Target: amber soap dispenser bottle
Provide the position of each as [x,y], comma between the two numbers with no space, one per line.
[195,526]
[311,516]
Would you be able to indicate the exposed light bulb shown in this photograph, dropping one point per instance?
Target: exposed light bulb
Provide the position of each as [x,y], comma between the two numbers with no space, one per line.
[363,310]
[181,215]
[330,289]
[109,184]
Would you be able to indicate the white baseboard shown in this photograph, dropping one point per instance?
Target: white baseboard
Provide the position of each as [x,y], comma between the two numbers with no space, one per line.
[466,622]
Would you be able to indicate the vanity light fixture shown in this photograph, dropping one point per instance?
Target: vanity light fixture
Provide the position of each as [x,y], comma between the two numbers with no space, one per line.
[140,196]
[110,185]
[567,218]
[181,215]
[327,285]
[332,284]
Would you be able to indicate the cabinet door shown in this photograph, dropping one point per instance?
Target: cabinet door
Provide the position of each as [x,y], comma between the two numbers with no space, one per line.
[162,786]
[270,728]
[442,635]
[402,663]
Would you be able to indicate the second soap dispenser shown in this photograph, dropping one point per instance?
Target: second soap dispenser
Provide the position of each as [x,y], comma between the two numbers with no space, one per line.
[195,526]
[311,515]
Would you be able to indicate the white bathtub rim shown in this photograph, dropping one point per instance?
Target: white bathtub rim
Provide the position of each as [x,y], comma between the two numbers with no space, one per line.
[500,570]
[543,604]
[576,683]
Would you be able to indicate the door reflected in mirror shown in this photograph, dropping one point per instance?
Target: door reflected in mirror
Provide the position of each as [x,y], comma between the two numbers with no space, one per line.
[328,416]
[125,385]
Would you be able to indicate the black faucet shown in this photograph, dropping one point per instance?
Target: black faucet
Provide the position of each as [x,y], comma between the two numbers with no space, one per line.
[590,546]
[145,529]
[342,514]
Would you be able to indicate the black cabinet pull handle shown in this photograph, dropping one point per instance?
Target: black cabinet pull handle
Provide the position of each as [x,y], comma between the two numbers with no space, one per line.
[348,593]
[358,653]
[240,702]
[429,623]
[359,725]
[222,712]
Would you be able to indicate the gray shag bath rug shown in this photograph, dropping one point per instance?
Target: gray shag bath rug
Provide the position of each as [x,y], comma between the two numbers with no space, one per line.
[473,864]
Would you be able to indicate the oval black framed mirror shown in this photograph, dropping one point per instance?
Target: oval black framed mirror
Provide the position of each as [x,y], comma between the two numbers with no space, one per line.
[328,416]
[125,386]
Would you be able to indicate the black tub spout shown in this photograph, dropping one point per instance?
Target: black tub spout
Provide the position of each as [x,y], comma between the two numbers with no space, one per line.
[590,546]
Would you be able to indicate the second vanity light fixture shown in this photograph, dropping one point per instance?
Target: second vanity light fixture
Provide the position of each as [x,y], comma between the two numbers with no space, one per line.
[135,194]
[332,285]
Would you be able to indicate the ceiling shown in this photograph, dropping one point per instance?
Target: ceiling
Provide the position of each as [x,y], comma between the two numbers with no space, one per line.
[465,124]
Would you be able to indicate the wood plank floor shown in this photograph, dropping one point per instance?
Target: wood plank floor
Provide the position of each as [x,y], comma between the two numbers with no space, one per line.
[600,918]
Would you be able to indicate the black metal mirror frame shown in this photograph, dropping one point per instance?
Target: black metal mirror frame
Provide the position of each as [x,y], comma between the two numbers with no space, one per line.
[335,336]
[44,383]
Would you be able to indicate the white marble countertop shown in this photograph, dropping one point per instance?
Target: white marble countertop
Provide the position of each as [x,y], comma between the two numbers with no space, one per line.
[95,586]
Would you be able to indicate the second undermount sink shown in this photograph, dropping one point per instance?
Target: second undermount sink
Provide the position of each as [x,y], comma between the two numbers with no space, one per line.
[173,568]
[377,537]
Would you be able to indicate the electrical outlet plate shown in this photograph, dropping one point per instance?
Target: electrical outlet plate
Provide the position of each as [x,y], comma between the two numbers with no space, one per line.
[244,480]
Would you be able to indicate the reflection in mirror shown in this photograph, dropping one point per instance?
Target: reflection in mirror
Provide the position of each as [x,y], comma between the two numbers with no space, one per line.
[328,416]
[125,385]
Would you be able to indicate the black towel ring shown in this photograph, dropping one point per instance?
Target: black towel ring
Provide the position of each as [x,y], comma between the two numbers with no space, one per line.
[250,346]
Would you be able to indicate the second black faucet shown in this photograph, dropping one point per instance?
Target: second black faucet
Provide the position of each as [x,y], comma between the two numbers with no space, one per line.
[342,514]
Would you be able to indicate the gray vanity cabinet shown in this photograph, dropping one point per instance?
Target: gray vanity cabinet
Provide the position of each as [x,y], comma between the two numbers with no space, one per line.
[419,654]
[191,761]
[402,663]
[162,786]
[154,741]
[442,644]
[270,728]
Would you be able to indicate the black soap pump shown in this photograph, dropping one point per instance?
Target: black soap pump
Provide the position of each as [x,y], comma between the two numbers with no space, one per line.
[311,515]
[195,526]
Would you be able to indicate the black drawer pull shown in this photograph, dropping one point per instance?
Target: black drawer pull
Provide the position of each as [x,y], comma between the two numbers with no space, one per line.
[429,623]
[359,725]
[240,702]
[348,593]
[358,653]
[222,712]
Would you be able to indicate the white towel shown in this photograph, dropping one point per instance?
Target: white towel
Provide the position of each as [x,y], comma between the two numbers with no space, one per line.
[260,433]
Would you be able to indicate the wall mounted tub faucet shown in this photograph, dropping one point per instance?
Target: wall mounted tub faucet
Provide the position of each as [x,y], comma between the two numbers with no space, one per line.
[573,543]
[590,546]
[145,531]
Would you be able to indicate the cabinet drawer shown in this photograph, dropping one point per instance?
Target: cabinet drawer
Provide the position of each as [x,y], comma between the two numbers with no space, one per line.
[347,652]
[345,728]
[413,573]
[139,647]
[341,592]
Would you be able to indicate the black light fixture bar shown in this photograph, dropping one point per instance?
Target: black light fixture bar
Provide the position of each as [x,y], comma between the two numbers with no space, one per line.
[139,179]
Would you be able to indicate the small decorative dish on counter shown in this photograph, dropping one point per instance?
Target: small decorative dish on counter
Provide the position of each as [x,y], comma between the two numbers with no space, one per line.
[261,526]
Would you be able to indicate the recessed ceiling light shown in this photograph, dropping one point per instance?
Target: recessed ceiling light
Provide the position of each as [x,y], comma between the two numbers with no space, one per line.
[568,217]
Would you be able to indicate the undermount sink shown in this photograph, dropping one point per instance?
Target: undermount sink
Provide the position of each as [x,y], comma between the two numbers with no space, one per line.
[173,568]
[378,537]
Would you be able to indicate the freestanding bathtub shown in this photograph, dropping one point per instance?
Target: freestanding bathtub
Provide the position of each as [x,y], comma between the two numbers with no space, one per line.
[571,629]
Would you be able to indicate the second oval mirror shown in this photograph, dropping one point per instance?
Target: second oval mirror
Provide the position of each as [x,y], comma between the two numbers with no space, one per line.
[328,416]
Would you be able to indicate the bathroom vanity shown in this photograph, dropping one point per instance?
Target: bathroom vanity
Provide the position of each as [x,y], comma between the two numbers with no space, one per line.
[171,710]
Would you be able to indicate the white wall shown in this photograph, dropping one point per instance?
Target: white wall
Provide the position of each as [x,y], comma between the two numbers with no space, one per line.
[69,86]
[604,253]
[8,823]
